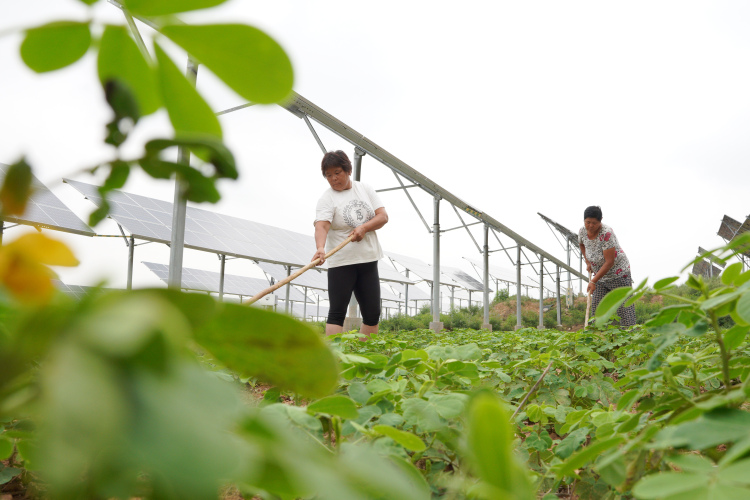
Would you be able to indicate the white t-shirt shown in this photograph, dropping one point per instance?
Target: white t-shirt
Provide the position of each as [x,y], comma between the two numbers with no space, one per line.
[346,210]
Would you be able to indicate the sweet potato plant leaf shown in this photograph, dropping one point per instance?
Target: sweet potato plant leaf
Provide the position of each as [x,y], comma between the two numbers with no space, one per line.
[248,60]
[6,448]
[610,303]
[148,8]
[119,59]
[719,426]
[16,189]
[207,148]
[586,455]
[571,443]
[55,45]
[272,347]
[404,438]
[118,175]
[743,307]
[666,484]
[735,336]
[335,405]
[663,283]
[188,111]
[731,273]
[490,449]
[8,473]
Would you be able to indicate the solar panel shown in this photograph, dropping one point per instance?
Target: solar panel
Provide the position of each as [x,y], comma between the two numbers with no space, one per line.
[466,281]
[705,269]
[501,273]
[208,281]
[567,233]
[298,310]
[729,228]
[75,291]
[311,279]
[45,210]
[423,270]
[710,257]
[151,219]
[414,292]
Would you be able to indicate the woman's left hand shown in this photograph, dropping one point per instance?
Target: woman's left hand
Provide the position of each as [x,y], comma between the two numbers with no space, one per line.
[359,233]
[591,287]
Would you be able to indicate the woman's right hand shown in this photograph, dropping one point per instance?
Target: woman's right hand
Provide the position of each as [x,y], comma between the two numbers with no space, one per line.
[320,254]
[588,266]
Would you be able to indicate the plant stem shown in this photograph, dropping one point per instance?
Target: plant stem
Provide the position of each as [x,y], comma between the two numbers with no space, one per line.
[681,299]
[723,349]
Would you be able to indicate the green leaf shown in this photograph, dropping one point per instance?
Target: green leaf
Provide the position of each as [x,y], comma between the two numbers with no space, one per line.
[245,58]
[16,189]
[8,473]
[571,443]
[627,399]
[207,148]
[534,412]
[735,336]
[719,300]
[270,346]
[118,175]
[448,405]
[149,8]
[6,448]
[586,455]
[188,112]
[738,472]
[663,283]
[120,59]
[668,483]
[610,303]
[720,426]
[490,445]
[335,405]
[405,439]
[731,273]
[358,392]
[689,462]
[743,307]
[55,45]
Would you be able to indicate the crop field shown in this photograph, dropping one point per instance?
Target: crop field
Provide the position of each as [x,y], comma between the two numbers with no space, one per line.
[201,399]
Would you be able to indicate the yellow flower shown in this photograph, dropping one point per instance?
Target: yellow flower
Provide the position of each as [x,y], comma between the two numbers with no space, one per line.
[23,266]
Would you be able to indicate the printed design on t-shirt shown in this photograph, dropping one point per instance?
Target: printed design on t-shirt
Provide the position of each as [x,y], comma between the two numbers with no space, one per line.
[357,212]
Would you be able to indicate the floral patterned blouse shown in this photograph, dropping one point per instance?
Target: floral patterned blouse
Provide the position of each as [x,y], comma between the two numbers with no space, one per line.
[605,240]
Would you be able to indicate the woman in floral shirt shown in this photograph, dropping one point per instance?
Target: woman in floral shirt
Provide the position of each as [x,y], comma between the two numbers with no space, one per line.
[606,260]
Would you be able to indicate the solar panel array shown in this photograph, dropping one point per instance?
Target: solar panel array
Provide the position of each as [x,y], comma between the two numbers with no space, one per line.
[75,291]
[415,293]
[208,281]
[731,228]
[567,233]
[311,279]
[423,270]
[468,282]
[705,269]
[298,310]
[45,210]
[702,251]
[502,274]
[150,219]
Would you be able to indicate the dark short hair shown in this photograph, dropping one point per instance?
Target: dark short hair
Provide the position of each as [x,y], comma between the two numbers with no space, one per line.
[335,159]
[594,212]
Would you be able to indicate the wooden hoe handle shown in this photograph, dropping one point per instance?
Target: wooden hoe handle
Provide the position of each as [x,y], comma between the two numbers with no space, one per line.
[294,276]
[588,305]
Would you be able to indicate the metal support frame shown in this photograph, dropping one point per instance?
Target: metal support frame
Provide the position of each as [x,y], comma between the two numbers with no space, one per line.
[221,276]
[412,201]
[559,301]
[179,212]
[541,293]
[315,134]
[406,295]
[131,255]
[304,307]
[519,324]
[436,325]
[486,282]
[288,289]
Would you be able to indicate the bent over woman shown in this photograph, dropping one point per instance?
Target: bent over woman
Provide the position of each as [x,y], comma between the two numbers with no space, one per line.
[606,259]
[349,208]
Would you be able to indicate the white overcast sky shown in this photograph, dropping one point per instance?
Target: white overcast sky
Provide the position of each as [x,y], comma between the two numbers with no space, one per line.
[640,107]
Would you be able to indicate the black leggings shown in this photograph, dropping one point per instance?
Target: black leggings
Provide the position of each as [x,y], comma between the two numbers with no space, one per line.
[364,281]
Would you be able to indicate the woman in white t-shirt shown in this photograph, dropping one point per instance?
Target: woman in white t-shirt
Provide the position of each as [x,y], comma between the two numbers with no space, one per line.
[349,208]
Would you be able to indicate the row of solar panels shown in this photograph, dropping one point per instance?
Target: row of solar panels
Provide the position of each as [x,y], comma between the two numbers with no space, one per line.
[150,219]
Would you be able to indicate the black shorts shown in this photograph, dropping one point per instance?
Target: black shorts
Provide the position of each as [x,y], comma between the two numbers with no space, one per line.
[364,281]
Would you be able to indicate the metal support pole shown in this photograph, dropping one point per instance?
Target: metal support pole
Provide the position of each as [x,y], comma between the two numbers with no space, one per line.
[179,212]
[406,295]
[519,324]
[357,163]
[304,308]
[580,270]
[559,302]
[569,275]
[131,253]
[2,230]
[453,292]
[221,277]
[486,324]
[541,292]
[288,289]
[436,325]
